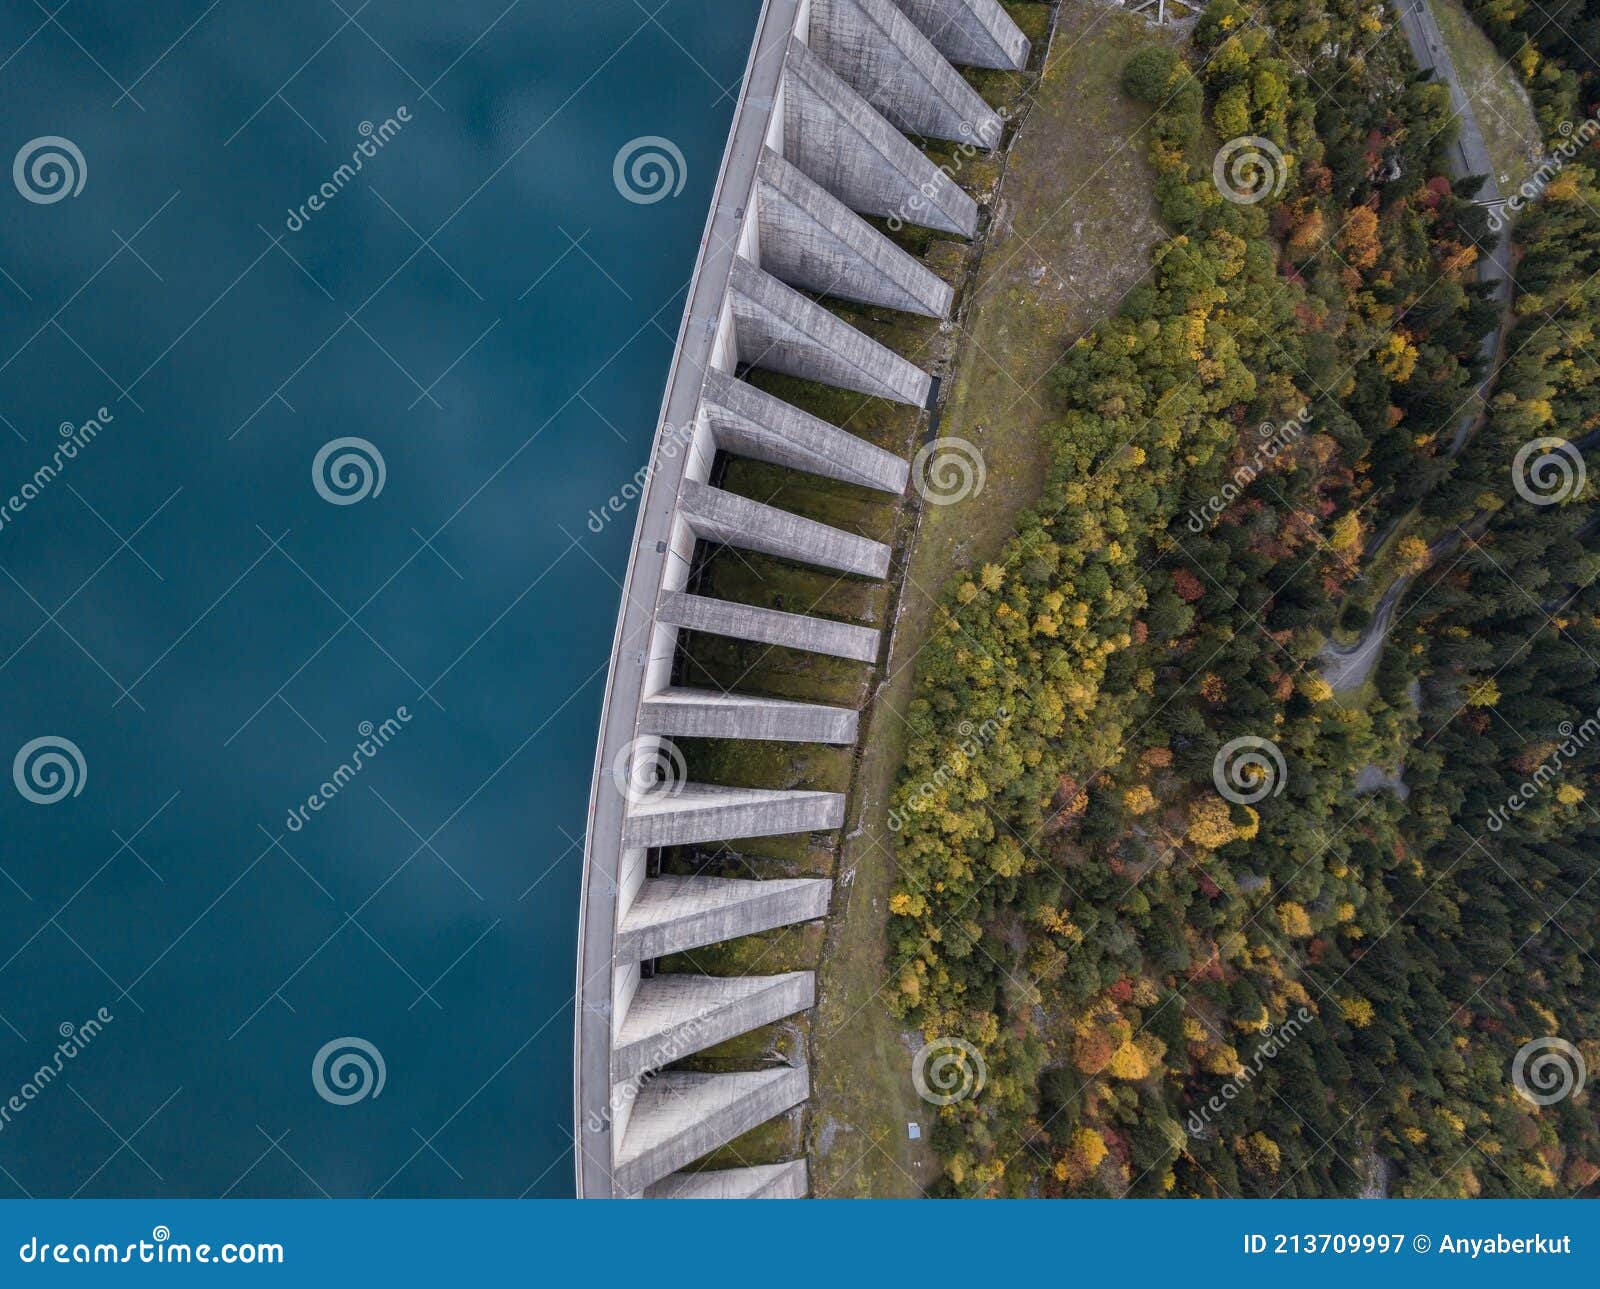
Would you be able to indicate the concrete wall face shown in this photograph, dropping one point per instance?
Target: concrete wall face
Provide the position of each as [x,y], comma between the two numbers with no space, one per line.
[877,51]
[679,1117]
[705,713]
[781,330]
[769,626]
[766,1181]
[749,422]
[817,243]
[840,140]
[725,518]
[974,33]
[673,914]
[703,812]
[673,1016]
[817,143]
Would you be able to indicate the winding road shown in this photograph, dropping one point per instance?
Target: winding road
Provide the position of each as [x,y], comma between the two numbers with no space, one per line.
[1347,667]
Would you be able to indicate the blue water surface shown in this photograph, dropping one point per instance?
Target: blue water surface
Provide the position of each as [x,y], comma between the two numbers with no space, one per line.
[201,626]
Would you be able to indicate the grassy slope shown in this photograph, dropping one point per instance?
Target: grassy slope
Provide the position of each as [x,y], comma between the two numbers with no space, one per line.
[1504,112]
[1071,234]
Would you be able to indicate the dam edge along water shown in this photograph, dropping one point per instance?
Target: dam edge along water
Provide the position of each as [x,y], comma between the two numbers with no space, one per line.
[807,156]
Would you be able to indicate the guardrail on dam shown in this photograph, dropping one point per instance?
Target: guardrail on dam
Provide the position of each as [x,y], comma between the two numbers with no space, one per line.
[818,140]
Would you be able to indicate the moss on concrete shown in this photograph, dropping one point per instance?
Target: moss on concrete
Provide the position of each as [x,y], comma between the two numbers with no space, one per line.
[793,948]
[719,663]
[760,858]
[773,1142]
[780,1043]
[815,766]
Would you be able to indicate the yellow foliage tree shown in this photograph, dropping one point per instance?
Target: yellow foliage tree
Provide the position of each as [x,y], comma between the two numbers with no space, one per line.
[1129,1063]
[1345,539]
[1085,1152]
[1260,1153]
[1210,825]
[1138,800]
[1358,241]
[1308,230]
[1315,688]
[1357,1011]
[1564,188]
[1397,357]
[1411,553]
[1294,920]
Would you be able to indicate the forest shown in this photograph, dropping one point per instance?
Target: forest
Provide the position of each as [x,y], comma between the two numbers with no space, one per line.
[1315,984]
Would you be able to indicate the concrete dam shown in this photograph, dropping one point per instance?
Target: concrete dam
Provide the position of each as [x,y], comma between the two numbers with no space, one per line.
[819,140]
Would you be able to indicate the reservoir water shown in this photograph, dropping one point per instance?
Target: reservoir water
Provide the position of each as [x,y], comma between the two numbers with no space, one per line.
[308,571]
